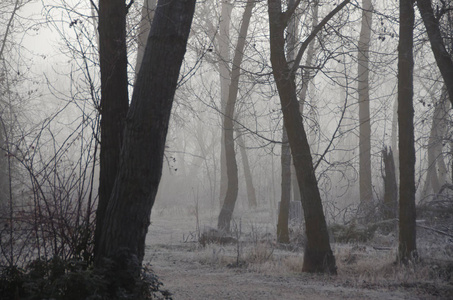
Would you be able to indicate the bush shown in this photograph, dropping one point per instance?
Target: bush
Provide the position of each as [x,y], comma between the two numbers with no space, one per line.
[72,280]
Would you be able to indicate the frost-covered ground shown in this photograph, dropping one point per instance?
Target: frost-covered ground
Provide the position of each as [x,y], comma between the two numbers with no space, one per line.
[258,268]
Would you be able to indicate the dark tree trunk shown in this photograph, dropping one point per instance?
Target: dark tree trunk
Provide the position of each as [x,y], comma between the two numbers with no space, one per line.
[226,212]
[407,215]
[318,255]
[390,205]
[114,99]
[283,212]
[128,212]
[443,58]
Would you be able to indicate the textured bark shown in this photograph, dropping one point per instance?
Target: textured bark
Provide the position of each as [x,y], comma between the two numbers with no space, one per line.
[223,40]
[443,58]
[407,215]
[306,78]
[366,192]
[251,194]
[283,213]
[285,199]
[229,203]
[128,213]
[318,255]
[114,99]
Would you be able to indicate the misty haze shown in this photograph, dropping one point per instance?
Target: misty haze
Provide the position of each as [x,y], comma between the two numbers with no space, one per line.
[161,149]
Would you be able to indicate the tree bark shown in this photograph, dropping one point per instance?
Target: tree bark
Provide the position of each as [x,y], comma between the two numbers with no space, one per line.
[226,212]
[114,99]
[149,6]
[390,208]
[223,40]
[365,185]
[128,212]
[318,255]
[251,194]
[443,58]
[407,231]
[283,213]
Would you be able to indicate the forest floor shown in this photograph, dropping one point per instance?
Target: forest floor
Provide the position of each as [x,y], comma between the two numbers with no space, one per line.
[259,268]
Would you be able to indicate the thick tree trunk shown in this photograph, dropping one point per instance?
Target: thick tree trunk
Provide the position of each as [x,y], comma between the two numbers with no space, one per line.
[283,213]
[128,212]
[318,255]
[366,192]
[114,99]
[407,215]
[226,212]
[443,58]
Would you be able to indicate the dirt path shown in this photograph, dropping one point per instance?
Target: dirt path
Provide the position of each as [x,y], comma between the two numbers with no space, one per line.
[187,275]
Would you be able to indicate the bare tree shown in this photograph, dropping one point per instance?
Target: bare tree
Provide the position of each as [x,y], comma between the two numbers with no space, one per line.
[318,255]
[407,231]
[226,212]
[114,99]
[365,185]
[127,215]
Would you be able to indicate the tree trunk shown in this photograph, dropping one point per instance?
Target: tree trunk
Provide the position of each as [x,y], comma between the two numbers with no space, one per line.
[390,207]
[437,170]
[149,6]
[407,234]
[318,255]
[365,185]
[251,194]
[226,212]
[223,40]
[114,99]
[128,212]
[443,58]
[283,213]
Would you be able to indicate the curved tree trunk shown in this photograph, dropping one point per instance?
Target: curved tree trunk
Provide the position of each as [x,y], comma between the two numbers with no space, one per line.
[226,212]
[318,255]
[127,215]
[443,58]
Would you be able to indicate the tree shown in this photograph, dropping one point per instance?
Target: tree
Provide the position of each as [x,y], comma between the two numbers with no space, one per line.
[127,215]
[223,40]
[318,255]
[114,99]
[443,58]
[226,212]
[365,185]
[407,232]
[149,6]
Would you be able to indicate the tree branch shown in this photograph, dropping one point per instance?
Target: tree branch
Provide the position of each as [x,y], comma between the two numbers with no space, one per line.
[313,34]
